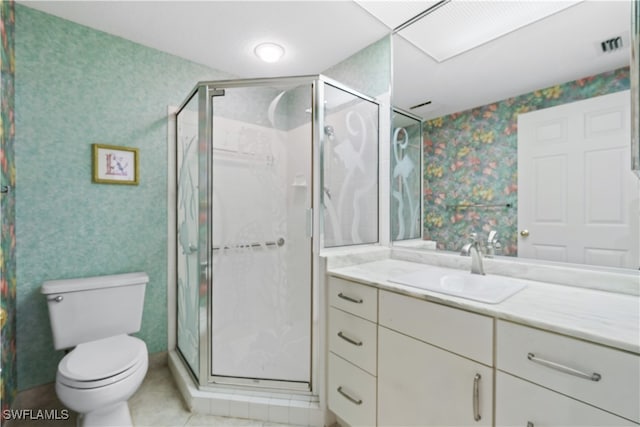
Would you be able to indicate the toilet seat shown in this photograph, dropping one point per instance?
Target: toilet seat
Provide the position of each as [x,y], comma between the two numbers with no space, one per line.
[102,362]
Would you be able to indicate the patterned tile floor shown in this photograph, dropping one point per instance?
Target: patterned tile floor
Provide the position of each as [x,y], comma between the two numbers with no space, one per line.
[156,404]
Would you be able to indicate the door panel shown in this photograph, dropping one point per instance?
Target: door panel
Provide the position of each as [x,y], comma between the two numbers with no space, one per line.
[261,251]
[576,194]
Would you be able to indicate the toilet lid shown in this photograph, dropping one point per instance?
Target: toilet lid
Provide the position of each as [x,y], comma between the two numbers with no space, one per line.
[100,359]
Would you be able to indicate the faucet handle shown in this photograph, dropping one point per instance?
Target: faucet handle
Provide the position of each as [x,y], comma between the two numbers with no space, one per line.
[473,236]
[492,236]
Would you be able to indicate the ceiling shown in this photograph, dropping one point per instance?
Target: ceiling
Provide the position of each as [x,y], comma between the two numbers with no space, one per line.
[560,48]
[223,34]
[319,34]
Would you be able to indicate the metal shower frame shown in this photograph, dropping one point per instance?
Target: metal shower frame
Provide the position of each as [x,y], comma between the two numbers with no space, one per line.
[205,91]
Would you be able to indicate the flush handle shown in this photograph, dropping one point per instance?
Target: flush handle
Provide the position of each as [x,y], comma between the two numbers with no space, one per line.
[58,298]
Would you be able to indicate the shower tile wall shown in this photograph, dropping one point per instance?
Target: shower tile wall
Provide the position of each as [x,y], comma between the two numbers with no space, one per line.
[471,156]
[77,86]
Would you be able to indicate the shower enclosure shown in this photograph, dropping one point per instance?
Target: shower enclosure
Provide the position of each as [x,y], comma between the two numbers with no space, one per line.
[258,165]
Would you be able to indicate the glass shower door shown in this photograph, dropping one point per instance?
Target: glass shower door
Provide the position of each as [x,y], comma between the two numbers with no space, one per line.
[350,168]
[261,248]
[192,229]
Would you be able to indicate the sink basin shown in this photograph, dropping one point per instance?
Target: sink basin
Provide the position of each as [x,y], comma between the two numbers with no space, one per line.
[489,289]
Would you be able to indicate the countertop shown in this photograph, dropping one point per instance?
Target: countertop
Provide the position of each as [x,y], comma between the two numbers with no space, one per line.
[607,318]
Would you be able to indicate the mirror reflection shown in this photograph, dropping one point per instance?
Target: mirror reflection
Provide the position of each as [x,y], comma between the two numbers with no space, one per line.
[406,174]
[526,136]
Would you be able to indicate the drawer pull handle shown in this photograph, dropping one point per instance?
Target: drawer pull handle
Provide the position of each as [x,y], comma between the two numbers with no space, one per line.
[562,368]
[349,340]
[349,398]
[476,397]
[350,299]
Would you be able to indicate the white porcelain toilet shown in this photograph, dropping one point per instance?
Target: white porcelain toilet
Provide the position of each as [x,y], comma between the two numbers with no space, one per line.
[94,316]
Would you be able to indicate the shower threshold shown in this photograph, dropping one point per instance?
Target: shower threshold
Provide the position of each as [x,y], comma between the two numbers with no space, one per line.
[277,406]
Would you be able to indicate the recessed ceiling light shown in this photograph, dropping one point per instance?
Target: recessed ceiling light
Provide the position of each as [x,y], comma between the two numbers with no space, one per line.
[269,52]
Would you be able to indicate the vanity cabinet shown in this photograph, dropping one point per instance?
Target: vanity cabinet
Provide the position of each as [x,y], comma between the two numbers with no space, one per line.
[434,364]
[545,378]
[397,360]
[521,403]
[352,363]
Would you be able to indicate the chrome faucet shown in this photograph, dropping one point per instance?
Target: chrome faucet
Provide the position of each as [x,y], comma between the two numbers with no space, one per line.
[476,255]
[493,245]
[466,249]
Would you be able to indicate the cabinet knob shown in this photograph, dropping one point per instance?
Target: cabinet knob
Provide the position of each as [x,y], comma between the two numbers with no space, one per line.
[524,233]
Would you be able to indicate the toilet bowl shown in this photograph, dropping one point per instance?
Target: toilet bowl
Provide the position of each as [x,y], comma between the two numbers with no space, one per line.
[97,378]
[105,366]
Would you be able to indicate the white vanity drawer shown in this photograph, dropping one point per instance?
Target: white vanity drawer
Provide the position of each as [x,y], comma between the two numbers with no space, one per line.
[598,375]
[354,298]
[353,338]
[520,403]
[352,393]
[461,332]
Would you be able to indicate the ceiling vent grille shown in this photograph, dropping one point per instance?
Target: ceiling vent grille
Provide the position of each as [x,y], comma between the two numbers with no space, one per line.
[611,44]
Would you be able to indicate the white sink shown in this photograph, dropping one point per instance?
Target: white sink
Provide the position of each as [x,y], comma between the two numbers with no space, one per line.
[488,288]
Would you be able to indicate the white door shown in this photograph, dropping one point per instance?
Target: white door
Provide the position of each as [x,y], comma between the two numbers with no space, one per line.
[577,197]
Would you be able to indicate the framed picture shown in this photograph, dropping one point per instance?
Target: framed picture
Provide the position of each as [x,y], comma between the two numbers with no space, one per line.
[115,165]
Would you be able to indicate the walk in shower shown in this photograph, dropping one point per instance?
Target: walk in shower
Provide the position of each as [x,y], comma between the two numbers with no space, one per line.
[268,172]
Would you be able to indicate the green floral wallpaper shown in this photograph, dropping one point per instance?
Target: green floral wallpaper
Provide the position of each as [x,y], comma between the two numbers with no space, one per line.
[8,380]
[471,158]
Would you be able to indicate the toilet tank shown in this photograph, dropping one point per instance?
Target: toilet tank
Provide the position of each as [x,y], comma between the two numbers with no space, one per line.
[91,308]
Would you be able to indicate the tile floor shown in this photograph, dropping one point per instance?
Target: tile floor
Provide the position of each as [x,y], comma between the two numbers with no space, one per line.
[156,404]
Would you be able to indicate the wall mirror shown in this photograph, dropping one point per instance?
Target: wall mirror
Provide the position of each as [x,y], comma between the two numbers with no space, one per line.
[635,86]
[471,88]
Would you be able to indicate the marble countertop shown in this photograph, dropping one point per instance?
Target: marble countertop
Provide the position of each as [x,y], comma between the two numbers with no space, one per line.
[607,318]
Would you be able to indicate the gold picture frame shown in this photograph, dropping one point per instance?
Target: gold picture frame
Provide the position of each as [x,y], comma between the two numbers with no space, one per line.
[114,164]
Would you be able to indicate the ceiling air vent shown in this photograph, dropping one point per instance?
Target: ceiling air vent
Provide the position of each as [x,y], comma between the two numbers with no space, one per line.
[420,105]
[611,44]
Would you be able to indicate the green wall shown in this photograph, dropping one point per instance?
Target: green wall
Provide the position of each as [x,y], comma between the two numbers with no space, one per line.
[7,208]
[76,86]
[367,71]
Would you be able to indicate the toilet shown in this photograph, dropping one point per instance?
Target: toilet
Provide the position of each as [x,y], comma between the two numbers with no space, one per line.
[93,317]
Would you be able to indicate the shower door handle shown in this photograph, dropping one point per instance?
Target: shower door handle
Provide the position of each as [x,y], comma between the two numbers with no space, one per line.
[309,223]
[204,269]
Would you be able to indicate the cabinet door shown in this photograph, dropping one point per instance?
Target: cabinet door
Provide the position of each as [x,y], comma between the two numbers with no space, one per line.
[521,403]
[422,385]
